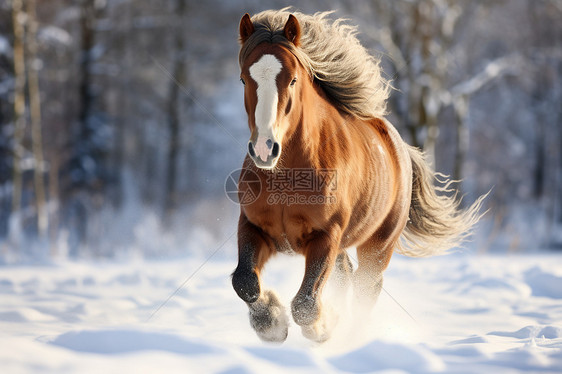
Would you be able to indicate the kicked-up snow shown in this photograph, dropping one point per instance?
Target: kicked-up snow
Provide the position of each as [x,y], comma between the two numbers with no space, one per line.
[454,314]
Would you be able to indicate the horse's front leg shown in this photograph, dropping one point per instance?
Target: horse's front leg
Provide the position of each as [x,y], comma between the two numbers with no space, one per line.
[267,315]
[306,307]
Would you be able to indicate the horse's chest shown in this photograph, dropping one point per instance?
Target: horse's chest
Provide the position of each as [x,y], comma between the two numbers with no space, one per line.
[288,228]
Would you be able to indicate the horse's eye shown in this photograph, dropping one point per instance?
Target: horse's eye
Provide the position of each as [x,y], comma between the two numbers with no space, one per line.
[243,81]
[293,82]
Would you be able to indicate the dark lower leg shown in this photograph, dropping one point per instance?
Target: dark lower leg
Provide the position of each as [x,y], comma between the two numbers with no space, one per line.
[306,306]
[267,315]
[253,252]
[245,280]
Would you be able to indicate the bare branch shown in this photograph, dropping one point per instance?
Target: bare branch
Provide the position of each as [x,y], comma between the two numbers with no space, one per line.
[495,69]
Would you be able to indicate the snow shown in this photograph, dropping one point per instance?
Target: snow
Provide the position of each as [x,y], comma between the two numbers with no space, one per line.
[53,35]
[455,314]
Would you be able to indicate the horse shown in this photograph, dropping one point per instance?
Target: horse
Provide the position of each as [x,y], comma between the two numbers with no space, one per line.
[332,173]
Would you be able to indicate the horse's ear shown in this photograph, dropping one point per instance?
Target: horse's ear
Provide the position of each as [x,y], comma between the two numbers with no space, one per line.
[292,30]
[246,28]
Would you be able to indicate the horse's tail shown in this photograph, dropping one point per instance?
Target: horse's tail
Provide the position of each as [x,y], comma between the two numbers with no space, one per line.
[436,221]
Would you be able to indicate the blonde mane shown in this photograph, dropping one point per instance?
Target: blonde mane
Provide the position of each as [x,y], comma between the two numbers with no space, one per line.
[333,55]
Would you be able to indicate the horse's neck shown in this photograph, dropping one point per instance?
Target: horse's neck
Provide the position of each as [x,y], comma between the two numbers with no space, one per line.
[319,135]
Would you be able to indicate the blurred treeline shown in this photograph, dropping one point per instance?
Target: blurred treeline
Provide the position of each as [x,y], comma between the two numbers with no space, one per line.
[113,108]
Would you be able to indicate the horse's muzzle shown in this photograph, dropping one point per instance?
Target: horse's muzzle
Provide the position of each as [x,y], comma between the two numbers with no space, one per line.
[264,152]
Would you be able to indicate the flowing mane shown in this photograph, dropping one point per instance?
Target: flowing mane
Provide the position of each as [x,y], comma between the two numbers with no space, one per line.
[331,52]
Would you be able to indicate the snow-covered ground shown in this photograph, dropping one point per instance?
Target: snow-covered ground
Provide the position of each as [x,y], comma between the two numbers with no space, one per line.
[455,314]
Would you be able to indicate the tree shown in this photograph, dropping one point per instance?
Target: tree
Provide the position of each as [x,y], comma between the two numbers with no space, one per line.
[86,171]
[35,114]
[19,110]
[177,82]
[422,40]
[419,37]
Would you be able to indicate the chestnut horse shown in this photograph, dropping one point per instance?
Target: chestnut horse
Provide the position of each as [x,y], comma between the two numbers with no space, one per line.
[333,172]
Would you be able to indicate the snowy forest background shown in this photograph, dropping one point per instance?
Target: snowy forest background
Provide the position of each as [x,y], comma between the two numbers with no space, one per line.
[121,119]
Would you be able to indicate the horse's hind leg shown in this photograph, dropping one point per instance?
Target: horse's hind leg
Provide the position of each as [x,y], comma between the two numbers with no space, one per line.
[343,272]
[373,258]
[267,315]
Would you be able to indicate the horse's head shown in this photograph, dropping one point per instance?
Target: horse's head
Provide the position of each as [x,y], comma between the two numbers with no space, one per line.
[271,75]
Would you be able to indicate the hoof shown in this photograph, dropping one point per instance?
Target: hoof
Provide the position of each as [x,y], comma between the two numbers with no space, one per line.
[315,333]
[305,310]
[321,330]
[269,319]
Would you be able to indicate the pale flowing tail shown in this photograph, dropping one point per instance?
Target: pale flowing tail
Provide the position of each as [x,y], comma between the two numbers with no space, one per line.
[436,222]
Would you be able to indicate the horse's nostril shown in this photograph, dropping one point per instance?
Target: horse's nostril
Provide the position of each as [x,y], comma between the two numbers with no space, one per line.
[275,150]
[251,149]
[269,143]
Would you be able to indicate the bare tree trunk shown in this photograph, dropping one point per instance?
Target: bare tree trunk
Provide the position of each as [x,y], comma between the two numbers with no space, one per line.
[461,112]
[87,43]
[35,106]
[19,104]
[428,113]
[540,159]
[430,142]
[54,168]
[173,147]
[124,101]
[559,190]
[75,207]
[178,81]
[429,110]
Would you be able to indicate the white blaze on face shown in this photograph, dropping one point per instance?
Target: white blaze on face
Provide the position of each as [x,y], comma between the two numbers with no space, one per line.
[265,72]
